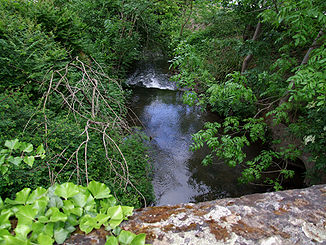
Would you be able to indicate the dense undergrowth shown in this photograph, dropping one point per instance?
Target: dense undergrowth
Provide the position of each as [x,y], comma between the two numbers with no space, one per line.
[63,63]
[61,87]
[259,64]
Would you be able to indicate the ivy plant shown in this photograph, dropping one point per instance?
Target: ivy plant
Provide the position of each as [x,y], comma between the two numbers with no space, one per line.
[44,216]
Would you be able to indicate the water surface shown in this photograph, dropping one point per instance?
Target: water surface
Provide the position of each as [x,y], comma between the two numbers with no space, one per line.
[179,176]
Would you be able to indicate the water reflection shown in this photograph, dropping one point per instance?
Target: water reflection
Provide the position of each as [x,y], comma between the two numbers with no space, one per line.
[179,176]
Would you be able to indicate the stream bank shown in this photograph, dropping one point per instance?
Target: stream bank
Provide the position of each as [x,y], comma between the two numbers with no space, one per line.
[178,175]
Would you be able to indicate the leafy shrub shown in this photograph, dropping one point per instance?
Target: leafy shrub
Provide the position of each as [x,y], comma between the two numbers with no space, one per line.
[45,216]
[232,97]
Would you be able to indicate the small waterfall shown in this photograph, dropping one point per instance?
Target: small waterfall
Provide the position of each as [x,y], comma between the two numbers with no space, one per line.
[150,74]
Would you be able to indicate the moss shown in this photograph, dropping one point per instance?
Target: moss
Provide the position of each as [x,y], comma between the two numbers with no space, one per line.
[249,232]
[281,233]
[220,233]
[157,214]
[183,228]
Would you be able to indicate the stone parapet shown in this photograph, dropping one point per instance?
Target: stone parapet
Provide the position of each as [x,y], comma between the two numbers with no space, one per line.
[285,217]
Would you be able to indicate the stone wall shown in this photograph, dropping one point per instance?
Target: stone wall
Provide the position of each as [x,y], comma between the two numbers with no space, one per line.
[287,217]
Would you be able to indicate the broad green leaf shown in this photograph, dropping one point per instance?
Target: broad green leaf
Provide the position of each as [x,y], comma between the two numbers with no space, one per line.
[126,237]
[40,205]
[4,221]
[55,201]
[1,203]
[127,211]
[114,223]
[58,225]
[37,228]
[21,197]
[29,160]
[77,211]
[115,212]
[90,209]
[66,190]
[36,194]
[55,215]
[111,240]
[40,150]
[44,239]
[101,219]
[87,223]
[81,199]
[58,216]
[70,228]
[12,144]
[99,190]
[22,230]
[139,239]
[49,229]
[4,169]
[51,210]
[67,206]
[11,240]
[72,219]
[15,160]
[26,215]
[43,219]
[60,235]
[10,211]
[107,203]
[26,147]
[2,159]
[4,232]
[116,231]
[4,151]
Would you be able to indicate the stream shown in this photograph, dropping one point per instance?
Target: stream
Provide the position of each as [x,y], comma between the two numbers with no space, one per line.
[178,175]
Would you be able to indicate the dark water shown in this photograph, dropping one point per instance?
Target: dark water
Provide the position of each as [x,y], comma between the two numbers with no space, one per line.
[179,176]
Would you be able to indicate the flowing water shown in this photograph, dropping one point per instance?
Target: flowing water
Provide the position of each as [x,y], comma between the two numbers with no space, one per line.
[179,176]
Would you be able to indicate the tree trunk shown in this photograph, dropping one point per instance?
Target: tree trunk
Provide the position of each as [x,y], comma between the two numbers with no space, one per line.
[249,57]
[312,47]
[186,21]
[304,62]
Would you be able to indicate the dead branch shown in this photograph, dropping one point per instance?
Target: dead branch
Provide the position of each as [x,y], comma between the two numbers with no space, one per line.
[89,101]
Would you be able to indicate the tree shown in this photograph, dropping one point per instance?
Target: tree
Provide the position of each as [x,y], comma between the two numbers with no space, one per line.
[285,81]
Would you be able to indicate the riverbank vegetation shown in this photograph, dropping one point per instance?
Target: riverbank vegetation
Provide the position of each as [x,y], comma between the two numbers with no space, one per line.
[63,63]
[260,65]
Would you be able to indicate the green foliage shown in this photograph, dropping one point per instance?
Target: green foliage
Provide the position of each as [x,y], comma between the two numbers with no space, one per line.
[39,40]
[227,140]
[279,84]
[212,37]
[27,53]
[16,152]
[45,216]
[258,169]
[126,237]
[237,98]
